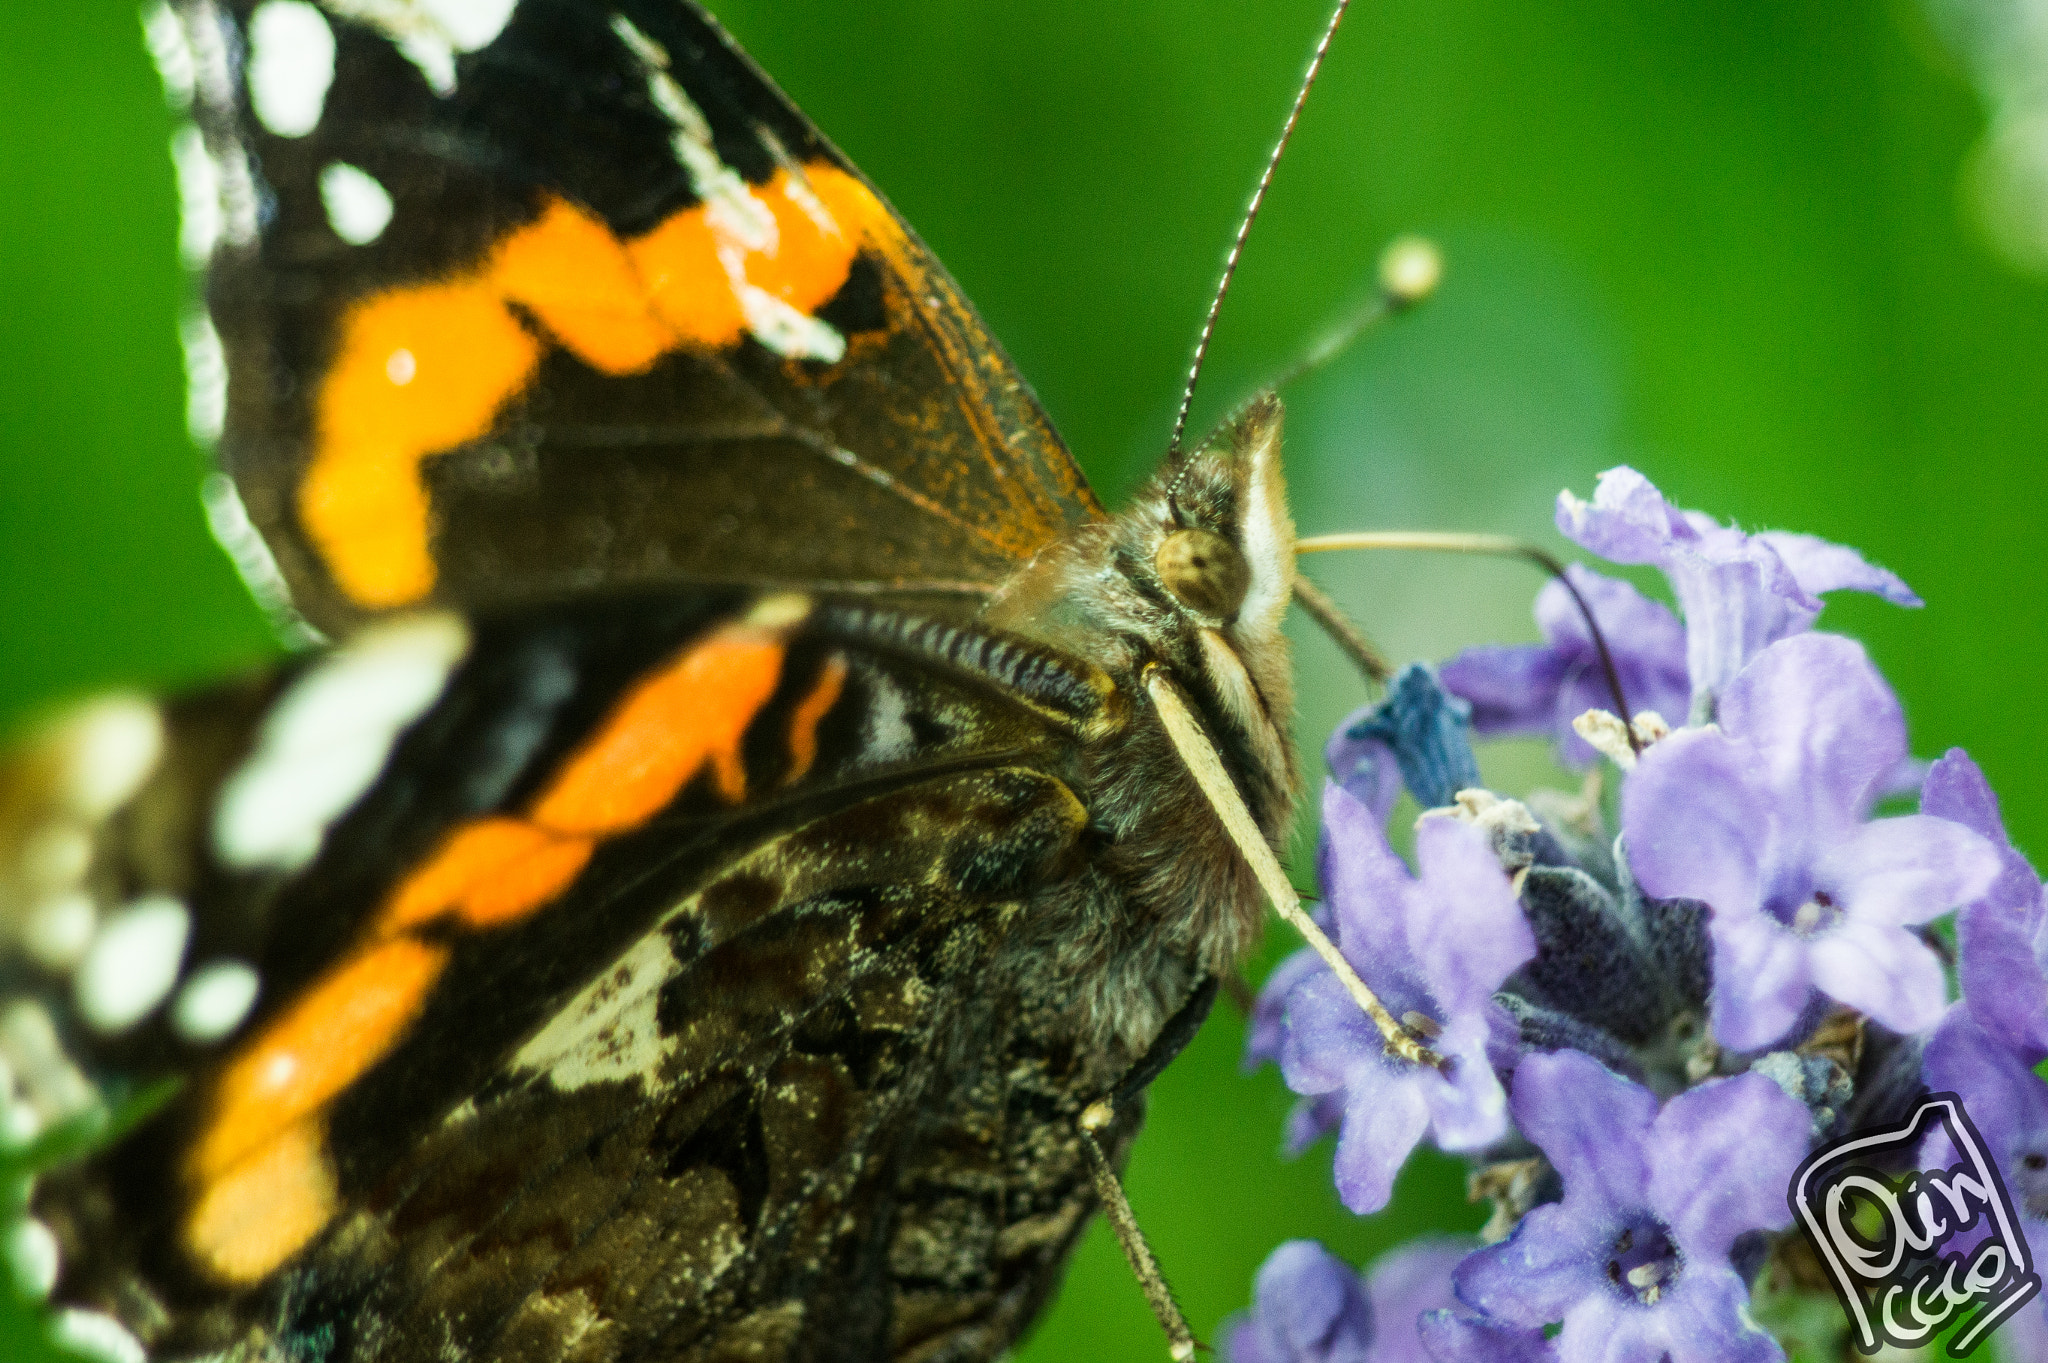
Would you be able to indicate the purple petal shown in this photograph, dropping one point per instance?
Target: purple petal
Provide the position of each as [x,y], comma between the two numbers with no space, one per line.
[1591,1122]
[1630,622]
[1532,1278]
[1244,1341]
[1385,1115]
[1721,1157]
[1311,1119]
[1908,869]
[1465,930]
[1367,884]
[2006,1101]
[1886,972]
[1691,820]
[1822,566]
[1955,789]
[1702,1318]
[1458,1337]
[1468,1109]
[1512,689]
[1263,1037]
[1734,608]
[1762,979]
[1628,520]
[2003,980]
[1364,766]
[1326,1037]
[1308,1307]
[1404,1286]
[1825,721]
[2000,936]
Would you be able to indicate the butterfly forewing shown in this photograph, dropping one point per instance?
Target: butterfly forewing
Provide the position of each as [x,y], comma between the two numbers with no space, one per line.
[578,300]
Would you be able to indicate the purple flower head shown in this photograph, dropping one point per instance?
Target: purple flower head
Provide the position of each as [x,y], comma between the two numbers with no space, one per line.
[1542,688]
[1739,593]
[1635,1261]
[1310,1307]
[1426,730]
[2003,937]
[2008,1104]
[1439,946]
[1764,819]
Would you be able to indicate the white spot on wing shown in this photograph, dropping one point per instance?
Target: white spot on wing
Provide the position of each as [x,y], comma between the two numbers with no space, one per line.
[97,1336]
[291,65]
[432,33]
[30,1252]
[198,196]
[358,208]
[109,746]
[888,737]
[132,963]
[164,36]
[213,77]
[740,223]
[206,378]
[401,368]
[612,1030]
[40,1086]
[324,743]
[787,330]
[57,930]
[214,1001]
[236,534]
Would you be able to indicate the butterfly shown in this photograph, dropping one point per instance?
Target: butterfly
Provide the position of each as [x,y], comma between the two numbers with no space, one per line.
[727,833]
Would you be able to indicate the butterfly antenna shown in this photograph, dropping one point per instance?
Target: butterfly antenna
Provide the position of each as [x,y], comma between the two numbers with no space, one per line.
[1244,227]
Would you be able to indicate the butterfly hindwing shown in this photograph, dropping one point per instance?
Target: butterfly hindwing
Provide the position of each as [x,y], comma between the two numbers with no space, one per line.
[568,296]
[690,1012]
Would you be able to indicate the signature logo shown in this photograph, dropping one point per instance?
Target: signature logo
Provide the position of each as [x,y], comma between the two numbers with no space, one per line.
[1881,1235]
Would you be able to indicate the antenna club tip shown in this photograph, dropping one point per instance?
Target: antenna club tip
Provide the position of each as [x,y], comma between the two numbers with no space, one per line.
[1410,269]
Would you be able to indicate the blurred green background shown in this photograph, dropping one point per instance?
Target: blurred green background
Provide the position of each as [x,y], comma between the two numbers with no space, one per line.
[1723,243]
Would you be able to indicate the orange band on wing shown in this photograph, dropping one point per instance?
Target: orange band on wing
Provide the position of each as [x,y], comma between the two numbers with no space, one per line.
[337,1029]
[488,872]
[266,1208]
[261,1181]
[422,369]
[692,713]
[809,713]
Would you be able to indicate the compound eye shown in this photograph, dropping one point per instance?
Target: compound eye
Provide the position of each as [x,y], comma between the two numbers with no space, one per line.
[1204,572]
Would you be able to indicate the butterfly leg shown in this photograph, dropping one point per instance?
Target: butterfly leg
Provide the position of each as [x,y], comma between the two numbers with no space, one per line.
[1343,631]
[1206,767]
[1173,1038]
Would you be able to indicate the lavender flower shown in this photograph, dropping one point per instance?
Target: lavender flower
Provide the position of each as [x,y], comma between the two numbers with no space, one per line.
[1541,689]
[1310,1307]
[1635,1261]
[1764,819]
[2003,937]
[1739,593]
[1438,946]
